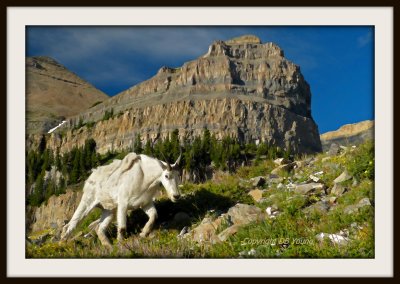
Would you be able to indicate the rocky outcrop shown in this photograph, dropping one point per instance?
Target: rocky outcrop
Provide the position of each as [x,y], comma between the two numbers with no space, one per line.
[54,213]
[53,93]
[349,134]
[244,119]
[240,87]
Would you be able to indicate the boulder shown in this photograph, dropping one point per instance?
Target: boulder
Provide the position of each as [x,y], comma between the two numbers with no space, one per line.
[334,149]
[256,194]
[274,179]
[225,234]
[320,206]
[343,177]
[309,188]
[258,181]
[351,209]
[205,232]
[282,161]
[242,214]
[286,167]
[338,190]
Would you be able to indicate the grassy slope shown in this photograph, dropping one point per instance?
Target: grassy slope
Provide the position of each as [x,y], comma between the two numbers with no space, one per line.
[292,234]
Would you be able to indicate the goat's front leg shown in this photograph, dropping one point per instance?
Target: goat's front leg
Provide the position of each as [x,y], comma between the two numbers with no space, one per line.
[151,211]
[121,220]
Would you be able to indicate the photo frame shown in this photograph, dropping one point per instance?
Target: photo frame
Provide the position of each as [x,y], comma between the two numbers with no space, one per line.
[20,17]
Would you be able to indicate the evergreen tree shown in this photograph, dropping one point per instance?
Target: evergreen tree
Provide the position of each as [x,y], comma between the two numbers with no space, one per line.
[61,186]
[148,149]
[57,160]
[137,145]
[46,166]
[206,148]
[74,177]
[175,145]
[37,196]
[42,145]
[50,189]
[82,164]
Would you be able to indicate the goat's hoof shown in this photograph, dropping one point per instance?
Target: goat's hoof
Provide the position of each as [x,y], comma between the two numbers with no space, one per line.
[143,234]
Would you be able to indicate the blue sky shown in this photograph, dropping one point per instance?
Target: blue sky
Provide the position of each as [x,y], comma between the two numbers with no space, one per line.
[337,62]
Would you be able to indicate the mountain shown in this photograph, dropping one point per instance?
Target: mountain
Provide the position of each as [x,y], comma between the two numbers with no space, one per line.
[240,87]
[54,93]
[349,134]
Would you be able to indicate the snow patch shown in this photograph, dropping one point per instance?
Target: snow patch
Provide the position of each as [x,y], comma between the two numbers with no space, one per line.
[51,130]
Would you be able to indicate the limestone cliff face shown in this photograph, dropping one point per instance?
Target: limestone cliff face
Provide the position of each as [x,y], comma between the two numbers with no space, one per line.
[53,213]
[240,87]
[347,134]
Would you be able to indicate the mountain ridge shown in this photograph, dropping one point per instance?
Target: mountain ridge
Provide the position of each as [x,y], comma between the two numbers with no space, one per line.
[239,87]
[53,93]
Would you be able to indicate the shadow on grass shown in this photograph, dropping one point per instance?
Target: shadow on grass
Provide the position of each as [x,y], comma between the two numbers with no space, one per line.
[195,205]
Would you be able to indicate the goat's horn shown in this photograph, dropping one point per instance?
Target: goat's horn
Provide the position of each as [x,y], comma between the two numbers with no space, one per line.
[168,164]
[179,158]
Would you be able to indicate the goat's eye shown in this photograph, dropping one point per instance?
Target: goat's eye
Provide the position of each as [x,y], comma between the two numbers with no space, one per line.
[167,176]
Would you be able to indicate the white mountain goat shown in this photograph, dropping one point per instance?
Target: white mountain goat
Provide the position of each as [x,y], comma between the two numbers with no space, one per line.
[125,185]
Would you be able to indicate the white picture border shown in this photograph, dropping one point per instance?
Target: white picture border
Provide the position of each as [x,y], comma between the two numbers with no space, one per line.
[18,265]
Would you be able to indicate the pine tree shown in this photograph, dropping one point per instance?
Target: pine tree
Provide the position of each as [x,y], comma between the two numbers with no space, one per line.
[57,161]
[42,145]
[148,149]
[137,145]
[37,196]
[175,145]
[74,177]
[61,186]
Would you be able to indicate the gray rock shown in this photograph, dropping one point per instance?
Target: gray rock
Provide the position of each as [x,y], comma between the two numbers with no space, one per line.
[320,206]
[351,209]
[343,177]
[242,214]
[309,188]
[225,234]
[274,179]
[334,149]
[205,232]
[286,167]
[183,232]
[338,190]
[256,194]
[282,161]
[334,238]
[314,178]
[364,202]
[258,181]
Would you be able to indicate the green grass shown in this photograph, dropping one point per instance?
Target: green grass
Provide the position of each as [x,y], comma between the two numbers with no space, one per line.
[292,234]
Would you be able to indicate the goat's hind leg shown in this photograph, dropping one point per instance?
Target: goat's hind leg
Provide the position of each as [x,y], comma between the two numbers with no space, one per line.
[81,212]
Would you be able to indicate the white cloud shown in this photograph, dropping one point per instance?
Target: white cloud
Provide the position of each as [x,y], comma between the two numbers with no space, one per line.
[364,39]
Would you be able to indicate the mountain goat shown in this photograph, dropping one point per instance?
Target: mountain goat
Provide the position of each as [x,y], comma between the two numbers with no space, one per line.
[125,185]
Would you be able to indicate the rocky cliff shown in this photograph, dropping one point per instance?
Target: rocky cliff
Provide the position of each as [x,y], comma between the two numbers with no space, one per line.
[347,134]
[54,213]
[240,87]
[54,93]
